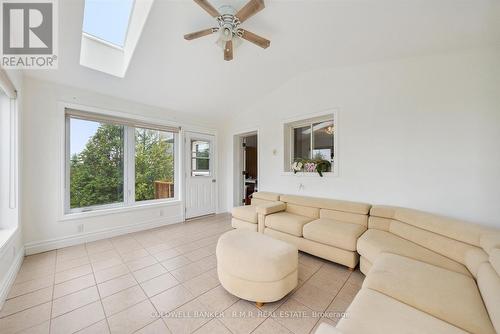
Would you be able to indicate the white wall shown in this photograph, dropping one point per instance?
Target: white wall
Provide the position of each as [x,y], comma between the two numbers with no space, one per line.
[421,133]
[44,226]
[11,242]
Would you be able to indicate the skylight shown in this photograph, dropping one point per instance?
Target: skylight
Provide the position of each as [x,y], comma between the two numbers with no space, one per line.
[108,20]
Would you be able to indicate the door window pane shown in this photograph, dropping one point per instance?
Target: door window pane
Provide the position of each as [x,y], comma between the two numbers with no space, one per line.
[323,141]
[302,143]
[200,158]
[96,163]
[154,164]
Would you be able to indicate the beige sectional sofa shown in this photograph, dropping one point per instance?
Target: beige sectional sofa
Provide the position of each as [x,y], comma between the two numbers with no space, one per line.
[323,227]
[246,216]
[425,274]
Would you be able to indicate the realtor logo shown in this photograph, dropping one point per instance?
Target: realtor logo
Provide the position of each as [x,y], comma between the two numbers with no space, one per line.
[29,33]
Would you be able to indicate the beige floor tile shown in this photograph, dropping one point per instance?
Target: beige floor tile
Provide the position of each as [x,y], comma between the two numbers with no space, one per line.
[73,273]
[70,264]
[188,272]
[356,278]
[271,326]
[187,318]
[148,273]
[157,327]
[201,284]
[171,299]
[70,253]
[242,318]
[198,254]
[133,318]
[158,248]
[73,301]
[123,300]
[30,286]
[110,273]
[141,263]
[43,328]
[134,255]
[295,316]
[313,297]
[23,277]
[107,263]
[166,254]
[323,320]
[100,327]
[78,319]
[217,299]
[98,246]
[176,262]
[327,282]
[100,256]
[214,326]
[73,285]
[116,285]
[26,301]
[305,272]
[25,319]
[159,284]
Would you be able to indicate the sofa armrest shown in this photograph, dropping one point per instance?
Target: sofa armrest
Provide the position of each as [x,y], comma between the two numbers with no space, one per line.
[269,208]
[266,209]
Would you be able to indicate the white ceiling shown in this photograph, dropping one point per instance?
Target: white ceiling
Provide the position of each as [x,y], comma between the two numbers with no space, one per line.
[172,73]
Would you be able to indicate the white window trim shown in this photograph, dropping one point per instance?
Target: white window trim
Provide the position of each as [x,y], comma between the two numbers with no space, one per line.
[287,135]
[129,185]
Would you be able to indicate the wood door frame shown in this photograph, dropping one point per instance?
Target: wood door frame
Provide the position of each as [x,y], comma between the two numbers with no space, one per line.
[238,161]
[186,167]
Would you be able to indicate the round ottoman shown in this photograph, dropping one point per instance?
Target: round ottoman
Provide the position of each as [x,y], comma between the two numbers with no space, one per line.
[256,267]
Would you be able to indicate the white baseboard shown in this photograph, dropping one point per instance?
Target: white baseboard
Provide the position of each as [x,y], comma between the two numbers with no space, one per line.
[10,277]
[76,239]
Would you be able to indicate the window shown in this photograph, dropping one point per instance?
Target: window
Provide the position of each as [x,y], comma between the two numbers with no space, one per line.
[200,158]
[115,162]
[108,20]
[154,164]
[96,163]
[310,139]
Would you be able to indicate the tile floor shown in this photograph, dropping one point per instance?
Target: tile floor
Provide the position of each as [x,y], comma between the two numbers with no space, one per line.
[163,281]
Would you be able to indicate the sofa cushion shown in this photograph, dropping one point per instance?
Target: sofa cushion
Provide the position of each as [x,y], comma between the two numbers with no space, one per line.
[375,242]
[444,294]
[287,222]
[488,281]
[445,226]
[327,203]
[266,259]
[247,213]
[334,233]
[374,313]
[267,196]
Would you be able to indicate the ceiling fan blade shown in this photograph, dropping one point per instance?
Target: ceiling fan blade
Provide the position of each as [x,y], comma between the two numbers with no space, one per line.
[228,51]
[208,7]
[250,9]
[255,39]
[200,33]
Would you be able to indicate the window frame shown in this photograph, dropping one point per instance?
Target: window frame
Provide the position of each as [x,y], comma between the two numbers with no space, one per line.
[209,158]
[128,165]
[288,140]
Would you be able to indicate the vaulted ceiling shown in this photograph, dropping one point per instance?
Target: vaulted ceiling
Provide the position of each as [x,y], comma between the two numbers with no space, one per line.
[192,77]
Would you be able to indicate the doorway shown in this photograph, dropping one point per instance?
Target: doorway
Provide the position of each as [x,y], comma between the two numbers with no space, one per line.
[200,175]
[247,167]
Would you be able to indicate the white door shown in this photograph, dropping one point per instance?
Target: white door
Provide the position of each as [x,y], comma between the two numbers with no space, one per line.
[200,175]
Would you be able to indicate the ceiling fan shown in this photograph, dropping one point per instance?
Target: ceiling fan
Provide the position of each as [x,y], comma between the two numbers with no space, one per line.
[229,25]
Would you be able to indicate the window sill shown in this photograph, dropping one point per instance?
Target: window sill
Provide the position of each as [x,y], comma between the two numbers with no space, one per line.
[311,174]
[5,236]
[118,210]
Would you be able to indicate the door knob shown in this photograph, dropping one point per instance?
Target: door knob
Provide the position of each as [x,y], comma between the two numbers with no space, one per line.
[214,180]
